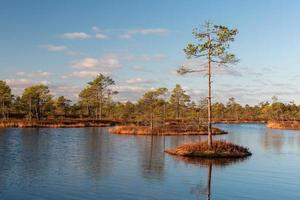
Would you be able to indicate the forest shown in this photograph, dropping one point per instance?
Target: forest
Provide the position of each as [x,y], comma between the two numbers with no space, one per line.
[156,106]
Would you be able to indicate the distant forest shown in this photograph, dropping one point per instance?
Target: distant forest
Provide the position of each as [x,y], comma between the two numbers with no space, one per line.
[155,106]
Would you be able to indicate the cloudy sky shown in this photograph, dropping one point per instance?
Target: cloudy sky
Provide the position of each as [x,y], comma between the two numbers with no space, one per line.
[64,44]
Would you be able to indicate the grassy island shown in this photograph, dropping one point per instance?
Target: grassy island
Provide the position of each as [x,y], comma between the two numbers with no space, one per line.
[168,130]
[219,149]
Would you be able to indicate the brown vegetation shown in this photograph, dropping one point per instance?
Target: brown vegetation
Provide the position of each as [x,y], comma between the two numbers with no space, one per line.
[67,123]
[219,149]
[291,125]
[168,130]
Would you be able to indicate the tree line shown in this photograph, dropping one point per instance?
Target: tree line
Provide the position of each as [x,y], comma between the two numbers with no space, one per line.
[156,106]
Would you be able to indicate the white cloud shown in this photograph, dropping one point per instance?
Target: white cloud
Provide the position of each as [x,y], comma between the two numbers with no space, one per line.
[54,48]
[86,63]
[95,29]
[90,67]
[128,88]
[69,91]
[83,36]
[59,48]
[139,81]
[19,82]
[84,74]
[38,74]
[76,36]
[105,63]
[128,92]
[151,31]
[101,36]
[126,36]
[18,85]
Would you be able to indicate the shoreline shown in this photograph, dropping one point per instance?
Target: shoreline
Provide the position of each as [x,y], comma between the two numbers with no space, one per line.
[284,125]
[52,123]
[239,122]
[79,123]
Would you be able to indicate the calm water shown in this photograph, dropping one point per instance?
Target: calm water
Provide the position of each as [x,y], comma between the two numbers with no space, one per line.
[89,163]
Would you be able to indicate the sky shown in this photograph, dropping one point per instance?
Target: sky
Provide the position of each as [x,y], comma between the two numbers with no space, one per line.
[65,44]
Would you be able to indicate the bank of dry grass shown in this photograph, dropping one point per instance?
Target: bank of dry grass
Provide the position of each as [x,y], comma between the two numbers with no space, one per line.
[52,123]
[219,149]
[168,130]
[289,125]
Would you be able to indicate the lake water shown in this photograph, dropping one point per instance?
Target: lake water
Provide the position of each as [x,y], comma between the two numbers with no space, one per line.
[90,163]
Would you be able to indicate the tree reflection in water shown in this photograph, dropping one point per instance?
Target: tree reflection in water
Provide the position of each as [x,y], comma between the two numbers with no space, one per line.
[201,190]
[98,149]
[152,157]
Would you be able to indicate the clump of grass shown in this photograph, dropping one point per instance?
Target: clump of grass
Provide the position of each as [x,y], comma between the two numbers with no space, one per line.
[131,130]
[219,149]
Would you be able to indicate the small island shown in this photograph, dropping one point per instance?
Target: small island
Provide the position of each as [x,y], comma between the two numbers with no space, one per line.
[219,149]
[167,130]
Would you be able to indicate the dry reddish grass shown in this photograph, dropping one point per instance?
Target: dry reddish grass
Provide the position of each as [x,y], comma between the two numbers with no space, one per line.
[220,149]
[63,123]
[168,130]
[291,125]
[131,130]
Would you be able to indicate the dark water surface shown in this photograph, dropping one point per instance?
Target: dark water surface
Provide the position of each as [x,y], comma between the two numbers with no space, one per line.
[90,163]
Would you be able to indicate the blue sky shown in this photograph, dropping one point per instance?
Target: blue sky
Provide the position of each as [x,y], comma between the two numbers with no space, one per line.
[139,43]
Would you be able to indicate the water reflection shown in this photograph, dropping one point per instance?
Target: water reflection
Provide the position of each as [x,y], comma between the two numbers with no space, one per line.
[202,190]
[278,140]
[152,157]
[90,163]
[272,141]
[34,152]
[98,148]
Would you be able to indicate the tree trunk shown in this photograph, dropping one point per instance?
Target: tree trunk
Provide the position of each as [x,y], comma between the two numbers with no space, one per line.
[30,108]
[100,110]
[199,119]
[37,112]
[164,117]
[209,128]
[96,113]
[151,123]
[3,109]
[177,111]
